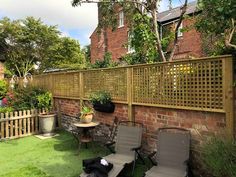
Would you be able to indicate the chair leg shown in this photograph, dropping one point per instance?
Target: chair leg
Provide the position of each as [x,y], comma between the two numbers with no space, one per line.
[135,156]
[139,156]
[79,146]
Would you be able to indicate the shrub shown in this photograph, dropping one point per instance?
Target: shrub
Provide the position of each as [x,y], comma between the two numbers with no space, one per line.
[25,98]
[45,101]
[6,109]
[3,88]
[219,157]
[105,63]
[101,97]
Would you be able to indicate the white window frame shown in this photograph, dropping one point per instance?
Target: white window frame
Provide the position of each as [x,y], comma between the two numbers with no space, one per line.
[121,19]
[180,33]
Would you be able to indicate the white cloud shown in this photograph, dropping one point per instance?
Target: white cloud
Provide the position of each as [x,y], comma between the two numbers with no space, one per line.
[53,12]
[163,5]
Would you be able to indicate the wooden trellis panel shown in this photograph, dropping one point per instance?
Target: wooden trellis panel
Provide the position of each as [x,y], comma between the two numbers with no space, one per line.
[194,84]
[112,80]
[65,84]
[40,81]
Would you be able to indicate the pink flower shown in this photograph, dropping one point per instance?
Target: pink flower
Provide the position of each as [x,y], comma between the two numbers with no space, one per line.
[4,101]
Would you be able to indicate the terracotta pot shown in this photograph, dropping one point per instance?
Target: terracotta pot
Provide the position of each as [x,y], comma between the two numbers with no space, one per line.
[47,124]
[86,118]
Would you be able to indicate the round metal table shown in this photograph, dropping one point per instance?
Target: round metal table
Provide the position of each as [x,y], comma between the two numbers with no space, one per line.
[86,137]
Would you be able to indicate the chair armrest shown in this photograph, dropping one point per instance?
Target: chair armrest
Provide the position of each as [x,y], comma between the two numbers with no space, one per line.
[150,156]
[109,146]
[110,143]
[136,148]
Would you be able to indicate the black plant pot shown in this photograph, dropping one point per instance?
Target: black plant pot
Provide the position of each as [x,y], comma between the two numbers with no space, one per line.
[108,108]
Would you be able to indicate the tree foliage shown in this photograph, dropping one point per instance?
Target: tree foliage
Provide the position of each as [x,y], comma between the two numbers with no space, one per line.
[105,63]
[29,42]
[217,23]
[143,40]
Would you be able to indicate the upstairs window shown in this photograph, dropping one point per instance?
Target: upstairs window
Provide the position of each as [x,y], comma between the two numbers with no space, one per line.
[180,30]
[121,19]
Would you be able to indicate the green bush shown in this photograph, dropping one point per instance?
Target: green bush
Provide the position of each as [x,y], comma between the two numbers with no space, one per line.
[105,63]
[25,98]
[219,157]
[6,109]
[3,88]
[102,97]
[45,101]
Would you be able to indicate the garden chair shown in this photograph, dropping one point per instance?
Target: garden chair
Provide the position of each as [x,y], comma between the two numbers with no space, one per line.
[127,146]
[101,136]
[172,153]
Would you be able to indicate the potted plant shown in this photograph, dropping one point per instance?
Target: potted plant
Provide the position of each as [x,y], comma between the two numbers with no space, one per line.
[47,122]
[101,101]
[86,114]
[3,90]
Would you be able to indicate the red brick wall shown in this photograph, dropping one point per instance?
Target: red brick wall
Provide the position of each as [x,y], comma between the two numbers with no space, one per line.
[153,118]
[190,43]
[116,44]
[204,123]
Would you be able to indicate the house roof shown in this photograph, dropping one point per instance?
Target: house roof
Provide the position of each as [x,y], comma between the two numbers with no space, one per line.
[174,13]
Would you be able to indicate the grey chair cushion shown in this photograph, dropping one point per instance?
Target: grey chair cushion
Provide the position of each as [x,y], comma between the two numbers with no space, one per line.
[173,149]
[128,138]
[160,171]
[172,154]
[119,158]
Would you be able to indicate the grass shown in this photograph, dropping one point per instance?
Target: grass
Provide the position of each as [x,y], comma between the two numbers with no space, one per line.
[55,157]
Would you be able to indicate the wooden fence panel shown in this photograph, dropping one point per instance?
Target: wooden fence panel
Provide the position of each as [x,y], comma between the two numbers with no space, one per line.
[18,124]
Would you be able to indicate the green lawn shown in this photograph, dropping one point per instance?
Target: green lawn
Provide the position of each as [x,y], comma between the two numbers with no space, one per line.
[55,157]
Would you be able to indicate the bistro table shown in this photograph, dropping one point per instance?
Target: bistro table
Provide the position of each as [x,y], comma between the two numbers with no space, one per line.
[85,136]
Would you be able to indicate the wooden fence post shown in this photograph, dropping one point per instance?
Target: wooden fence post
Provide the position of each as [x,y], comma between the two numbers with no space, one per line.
[81,88]
[228,93]
[129,93]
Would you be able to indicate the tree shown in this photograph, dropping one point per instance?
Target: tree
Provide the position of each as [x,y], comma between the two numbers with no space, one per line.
[218,22]
[28,42]
[107,17]
[87,52]
[69,55]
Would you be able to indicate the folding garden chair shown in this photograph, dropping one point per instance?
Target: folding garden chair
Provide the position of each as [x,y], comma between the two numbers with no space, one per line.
[102,136]
[127,145]
[172,153]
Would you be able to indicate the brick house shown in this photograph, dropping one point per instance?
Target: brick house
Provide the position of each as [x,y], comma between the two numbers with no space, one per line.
[189,44]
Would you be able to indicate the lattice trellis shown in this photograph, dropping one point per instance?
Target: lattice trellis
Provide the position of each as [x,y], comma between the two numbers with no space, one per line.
[111,80]
[195,84]
[41,81]
[66,84]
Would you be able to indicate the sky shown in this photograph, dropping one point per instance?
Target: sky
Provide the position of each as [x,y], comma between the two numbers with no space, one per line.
[76,22]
